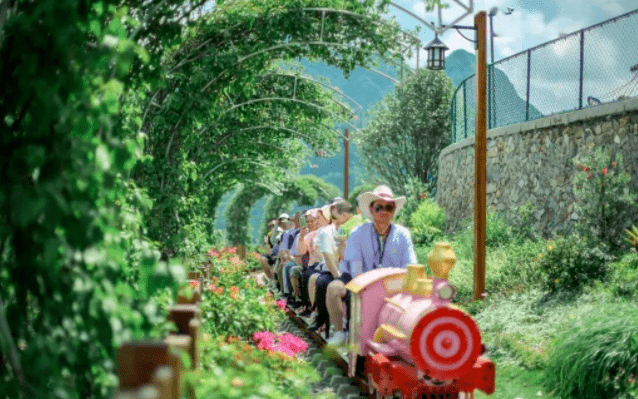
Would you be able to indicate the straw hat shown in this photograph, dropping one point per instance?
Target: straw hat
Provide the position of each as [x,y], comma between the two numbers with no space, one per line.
[379,193]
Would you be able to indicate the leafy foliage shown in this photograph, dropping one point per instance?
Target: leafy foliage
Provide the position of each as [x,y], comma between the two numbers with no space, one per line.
[234,368]
[77,267]
[604,202]
[408,130]
[427,222]
[623,276]
[569,263]
[229,111]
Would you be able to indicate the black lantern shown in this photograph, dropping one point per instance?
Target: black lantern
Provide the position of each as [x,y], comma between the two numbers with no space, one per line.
[436,54]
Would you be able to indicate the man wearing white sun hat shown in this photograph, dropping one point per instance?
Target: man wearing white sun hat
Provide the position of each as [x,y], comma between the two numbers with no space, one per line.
[378,243]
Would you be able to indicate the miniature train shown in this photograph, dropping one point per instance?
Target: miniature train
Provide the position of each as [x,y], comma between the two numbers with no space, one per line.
[412,339]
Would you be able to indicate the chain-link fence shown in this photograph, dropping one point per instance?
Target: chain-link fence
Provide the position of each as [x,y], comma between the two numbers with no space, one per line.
[595,65]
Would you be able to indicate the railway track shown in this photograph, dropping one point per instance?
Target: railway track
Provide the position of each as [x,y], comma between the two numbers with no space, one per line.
[331,363]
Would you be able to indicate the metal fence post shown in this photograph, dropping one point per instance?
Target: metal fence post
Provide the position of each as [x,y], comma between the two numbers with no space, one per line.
[464,109]
[489,96]
[453,118]
[529,65]
[582,63]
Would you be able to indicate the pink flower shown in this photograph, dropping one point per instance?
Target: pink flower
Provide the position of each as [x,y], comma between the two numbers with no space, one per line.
[320,153]
[281,304]
[212,287]
[355,118]
[288,344]
[423,196]
[613,164]
[604,171]
[194,284]
[213,253]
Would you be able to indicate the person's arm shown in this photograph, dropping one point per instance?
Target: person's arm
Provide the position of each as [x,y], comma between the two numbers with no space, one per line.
[302,248]
[409,255]
[328,251]
[332,264]
[353,259]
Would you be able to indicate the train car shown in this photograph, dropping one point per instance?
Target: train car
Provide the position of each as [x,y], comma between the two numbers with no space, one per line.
[413,340]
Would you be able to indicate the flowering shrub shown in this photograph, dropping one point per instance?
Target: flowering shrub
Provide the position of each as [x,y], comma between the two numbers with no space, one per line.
[232,368]
[569,263]
[287,343]
[604,204]
[232,306]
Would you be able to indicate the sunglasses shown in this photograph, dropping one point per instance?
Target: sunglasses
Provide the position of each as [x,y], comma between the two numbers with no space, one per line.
[388,208]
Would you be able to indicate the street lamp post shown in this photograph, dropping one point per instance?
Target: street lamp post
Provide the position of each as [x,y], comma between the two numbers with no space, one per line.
[346,162]
[436,58]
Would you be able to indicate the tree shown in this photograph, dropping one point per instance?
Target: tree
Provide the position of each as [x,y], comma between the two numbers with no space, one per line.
[408,130]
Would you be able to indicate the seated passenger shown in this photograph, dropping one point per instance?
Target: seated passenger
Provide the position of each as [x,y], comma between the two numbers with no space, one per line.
[379,243]
[340,212]
[269,257]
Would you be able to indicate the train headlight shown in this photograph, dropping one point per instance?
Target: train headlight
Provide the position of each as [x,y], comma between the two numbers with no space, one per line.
[446,292]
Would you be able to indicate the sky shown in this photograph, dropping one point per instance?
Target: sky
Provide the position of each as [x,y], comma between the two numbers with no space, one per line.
[532,22]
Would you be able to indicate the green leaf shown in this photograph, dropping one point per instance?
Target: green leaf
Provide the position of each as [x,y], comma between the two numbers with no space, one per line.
[103,157]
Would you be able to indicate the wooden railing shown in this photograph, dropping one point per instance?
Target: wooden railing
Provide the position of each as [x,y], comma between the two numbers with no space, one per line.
[152,369]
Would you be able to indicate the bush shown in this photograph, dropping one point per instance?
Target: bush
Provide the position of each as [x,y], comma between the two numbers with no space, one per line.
[523,223]
[232,368]
[604,204]
[569,263]
[597,357]
[427,222]
[415,193]
[520,269]
[497,231]
[623,278]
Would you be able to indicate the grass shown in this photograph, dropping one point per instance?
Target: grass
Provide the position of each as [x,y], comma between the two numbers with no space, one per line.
[514,381]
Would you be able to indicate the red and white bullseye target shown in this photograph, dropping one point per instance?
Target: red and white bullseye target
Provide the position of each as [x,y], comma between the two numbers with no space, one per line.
[445,343]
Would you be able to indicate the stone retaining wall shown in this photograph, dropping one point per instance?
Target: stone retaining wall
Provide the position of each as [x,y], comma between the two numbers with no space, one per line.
[532,162]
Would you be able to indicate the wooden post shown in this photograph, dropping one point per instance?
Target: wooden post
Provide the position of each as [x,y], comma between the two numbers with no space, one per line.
[241,251]
[346,162]
[480,157]
[186,318]
[137,363]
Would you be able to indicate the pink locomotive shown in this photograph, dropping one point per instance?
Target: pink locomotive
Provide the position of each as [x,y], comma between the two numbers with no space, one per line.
[414,340]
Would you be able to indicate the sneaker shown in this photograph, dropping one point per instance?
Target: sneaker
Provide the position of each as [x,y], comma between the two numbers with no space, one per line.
[338,339]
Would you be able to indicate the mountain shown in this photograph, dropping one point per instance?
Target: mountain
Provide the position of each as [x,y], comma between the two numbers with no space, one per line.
[509,106]
[459,65]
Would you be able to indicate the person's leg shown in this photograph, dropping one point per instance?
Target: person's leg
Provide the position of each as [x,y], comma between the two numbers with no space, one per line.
[322,287]
[286,276]
[312,282]
[336,291]
[295,276]
[280,276]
